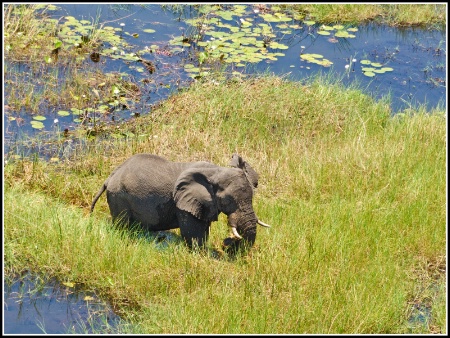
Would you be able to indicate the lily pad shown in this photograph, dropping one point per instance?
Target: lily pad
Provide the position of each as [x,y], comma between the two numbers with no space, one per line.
[344,34]
[325,63]
[192,70]
[314,56]
[284,18]
[276,45]
[327,28]
[369,74]
[226,15]
[37,125]
[76,111]
[39,118]
[103,108]
[270,18]
[63,113]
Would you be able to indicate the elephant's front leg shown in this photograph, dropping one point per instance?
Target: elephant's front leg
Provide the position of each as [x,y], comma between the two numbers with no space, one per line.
[192,229]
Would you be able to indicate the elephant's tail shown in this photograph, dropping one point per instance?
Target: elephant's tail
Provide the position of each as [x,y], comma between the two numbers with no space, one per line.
[103,188]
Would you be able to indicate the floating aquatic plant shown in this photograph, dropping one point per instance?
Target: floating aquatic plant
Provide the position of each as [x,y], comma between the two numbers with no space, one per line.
[250,42]
[317,59]
[107,39]
[323,33]
[63,113]
[375,68]
[36,122]
[344,34]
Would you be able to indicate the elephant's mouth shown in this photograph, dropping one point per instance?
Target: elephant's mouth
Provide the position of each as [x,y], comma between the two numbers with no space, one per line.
[236,234]
[239,222]
[243,230]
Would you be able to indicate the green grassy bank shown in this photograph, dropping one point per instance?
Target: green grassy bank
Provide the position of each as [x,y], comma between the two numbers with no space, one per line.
[391,14]
[356,200]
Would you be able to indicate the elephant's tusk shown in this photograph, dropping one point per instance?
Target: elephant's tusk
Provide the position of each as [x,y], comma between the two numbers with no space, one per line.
[235,233]
[263,224]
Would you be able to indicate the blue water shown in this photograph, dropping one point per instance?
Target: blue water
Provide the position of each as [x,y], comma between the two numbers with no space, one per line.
[417,57]
[408,51]
[30,308]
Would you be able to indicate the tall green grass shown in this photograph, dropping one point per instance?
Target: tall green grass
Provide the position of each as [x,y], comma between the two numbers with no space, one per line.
[391,14]
[355,197]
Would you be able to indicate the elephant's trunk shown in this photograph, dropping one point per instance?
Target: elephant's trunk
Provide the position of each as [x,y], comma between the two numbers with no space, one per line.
[243,224]
[247,230]
[236,233]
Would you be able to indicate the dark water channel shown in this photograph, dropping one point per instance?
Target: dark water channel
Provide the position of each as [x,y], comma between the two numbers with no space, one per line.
[409,63]
[33,307]
[416,57]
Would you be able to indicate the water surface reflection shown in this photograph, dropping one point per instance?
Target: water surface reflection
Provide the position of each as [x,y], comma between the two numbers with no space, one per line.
[32,306]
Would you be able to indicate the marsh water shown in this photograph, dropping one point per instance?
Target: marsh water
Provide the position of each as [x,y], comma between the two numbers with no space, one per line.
[409,64]
[31,306]
[176,48]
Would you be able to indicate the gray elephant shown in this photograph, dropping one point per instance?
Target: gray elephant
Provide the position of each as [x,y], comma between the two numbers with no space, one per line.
[162,195]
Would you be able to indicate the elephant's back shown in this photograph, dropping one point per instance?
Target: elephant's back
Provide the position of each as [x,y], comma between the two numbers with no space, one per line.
[146,174]
[142,186]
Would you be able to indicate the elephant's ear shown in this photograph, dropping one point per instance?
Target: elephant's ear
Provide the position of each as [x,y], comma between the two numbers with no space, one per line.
[194,193]
[252,175]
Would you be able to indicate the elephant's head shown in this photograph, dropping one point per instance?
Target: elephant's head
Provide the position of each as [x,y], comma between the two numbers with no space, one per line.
[250,173]
[204,192]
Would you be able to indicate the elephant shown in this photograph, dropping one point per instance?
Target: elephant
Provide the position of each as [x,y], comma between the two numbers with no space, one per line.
[159,194]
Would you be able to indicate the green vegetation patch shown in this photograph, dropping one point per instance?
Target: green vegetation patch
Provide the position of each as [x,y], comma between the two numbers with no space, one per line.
[358,218]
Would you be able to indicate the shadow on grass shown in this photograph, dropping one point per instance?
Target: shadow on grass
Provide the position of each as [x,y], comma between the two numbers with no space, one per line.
[164,239]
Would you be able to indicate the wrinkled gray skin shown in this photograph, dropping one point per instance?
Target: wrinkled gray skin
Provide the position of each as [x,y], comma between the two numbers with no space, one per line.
[163,195]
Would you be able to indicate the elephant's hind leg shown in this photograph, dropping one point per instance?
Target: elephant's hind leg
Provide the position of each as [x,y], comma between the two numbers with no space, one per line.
[122,219]
[120,210]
